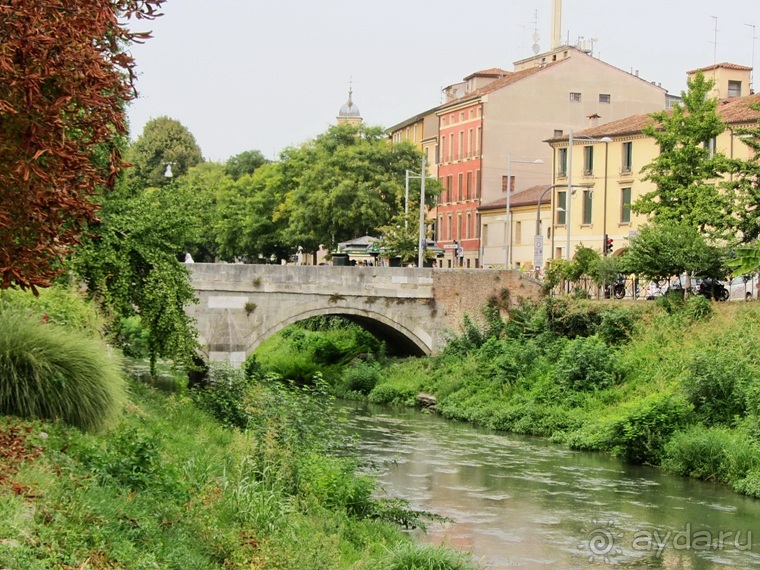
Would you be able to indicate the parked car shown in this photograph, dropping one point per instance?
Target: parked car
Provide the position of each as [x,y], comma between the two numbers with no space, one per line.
[655,289]
[743,288]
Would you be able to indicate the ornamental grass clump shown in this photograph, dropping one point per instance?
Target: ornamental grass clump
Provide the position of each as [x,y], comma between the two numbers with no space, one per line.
[56,373]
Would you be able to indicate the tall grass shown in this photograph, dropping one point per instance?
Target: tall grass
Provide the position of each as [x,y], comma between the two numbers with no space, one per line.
[51,372]
[410,556]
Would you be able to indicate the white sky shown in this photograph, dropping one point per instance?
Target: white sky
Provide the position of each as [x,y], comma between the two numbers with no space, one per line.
[265,75]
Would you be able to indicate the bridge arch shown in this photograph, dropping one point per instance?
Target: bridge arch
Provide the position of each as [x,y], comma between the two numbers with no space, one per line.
[403,340]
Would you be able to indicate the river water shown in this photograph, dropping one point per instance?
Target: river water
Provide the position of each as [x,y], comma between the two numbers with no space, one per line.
[522,502]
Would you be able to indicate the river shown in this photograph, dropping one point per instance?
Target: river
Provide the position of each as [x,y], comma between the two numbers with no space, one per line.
[523,502]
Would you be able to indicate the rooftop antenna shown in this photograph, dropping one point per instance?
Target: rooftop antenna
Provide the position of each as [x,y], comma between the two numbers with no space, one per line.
[752,65]
[536,48]
[715,42]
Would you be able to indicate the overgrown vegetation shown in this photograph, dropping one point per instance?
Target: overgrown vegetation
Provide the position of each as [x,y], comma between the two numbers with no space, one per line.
[650,383]
[244,471]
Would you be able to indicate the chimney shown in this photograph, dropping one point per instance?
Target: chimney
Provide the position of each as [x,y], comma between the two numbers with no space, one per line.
[593,120]
[556,24]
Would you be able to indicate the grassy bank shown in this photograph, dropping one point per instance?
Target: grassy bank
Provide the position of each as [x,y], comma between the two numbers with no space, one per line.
[247,472]
[672,384]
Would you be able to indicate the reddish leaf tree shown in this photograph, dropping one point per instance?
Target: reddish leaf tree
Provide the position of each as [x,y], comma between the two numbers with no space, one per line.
[64,80]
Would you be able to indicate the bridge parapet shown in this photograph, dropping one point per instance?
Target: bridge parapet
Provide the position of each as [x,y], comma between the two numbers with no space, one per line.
[414,308]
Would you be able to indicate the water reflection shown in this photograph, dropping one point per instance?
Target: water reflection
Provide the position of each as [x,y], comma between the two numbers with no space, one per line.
[525,502]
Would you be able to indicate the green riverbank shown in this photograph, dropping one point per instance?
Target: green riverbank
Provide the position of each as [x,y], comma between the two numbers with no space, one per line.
[669,384]
[248,472]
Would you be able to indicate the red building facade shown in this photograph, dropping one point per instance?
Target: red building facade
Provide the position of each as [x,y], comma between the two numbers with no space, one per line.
[460,149]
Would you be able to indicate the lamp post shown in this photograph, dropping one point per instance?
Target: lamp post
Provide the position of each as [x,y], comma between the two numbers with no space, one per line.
[508,237]
[422,176]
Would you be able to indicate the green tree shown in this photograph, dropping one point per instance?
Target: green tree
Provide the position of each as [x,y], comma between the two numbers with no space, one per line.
[401,237]
[348,183]
[201,187]
[131,267]
[664,249]
[248,223]
[686,169]
[163,142]
[744,186]
[244,163]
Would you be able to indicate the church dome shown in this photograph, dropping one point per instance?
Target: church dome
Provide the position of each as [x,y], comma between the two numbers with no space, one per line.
[349,110]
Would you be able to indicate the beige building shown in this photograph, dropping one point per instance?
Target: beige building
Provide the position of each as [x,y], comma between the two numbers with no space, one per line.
[495,121]
[606,176]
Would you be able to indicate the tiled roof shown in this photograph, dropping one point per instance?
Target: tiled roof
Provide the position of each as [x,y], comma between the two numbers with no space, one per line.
[527,197]
[737,110]
[497,84]
[724,65]
[493,72]
[732,111]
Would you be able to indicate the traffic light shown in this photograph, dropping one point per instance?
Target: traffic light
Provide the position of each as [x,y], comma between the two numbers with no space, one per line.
[608,247]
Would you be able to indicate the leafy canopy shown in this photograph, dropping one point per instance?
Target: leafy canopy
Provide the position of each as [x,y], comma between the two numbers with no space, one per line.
[686,168]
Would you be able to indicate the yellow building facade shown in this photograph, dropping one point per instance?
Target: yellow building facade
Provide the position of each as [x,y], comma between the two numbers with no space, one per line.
[605,177]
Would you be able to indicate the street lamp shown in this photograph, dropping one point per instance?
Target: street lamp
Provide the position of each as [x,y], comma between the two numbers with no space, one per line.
[569,201]
[508,237]
[538,241]
[422,176]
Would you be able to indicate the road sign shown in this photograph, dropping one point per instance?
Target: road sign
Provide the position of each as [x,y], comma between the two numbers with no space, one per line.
[538,250]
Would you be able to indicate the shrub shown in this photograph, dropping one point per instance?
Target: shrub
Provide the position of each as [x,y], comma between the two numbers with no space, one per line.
[361,377]
[712,454]
[225,395]
[616,326]
[639,436]
[586,364]
[387,394]
[572,318]
[51,372]
[59,305]
[132,337]
[698,308]
[713,385]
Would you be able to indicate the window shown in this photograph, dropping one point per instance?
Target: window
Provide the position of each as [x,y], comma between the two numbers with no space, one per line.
[518,233]
[504,184]
[460,187]
[443,149]
[460,235]
[468,193]
[575,97]
[588,161]
[734,88]
[468,230]
[561,205]
[448,228]
[477,142]
[461,144]
[625,205]
[604,98]
[439,229]
[477,184]
[627,157]
[449,188]
[477,225]
[451,146]
[562,163]
[587,204]
[558,132]
[469,143]
[437,156]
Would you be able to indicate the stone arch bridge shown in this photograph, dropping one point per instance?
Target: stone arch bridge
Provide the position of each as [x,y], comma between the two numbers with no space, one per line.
[412,309]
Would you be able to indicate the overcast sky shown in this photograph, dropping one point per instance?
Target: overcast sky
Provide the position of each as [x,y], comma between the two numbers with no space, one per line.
[249,74]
